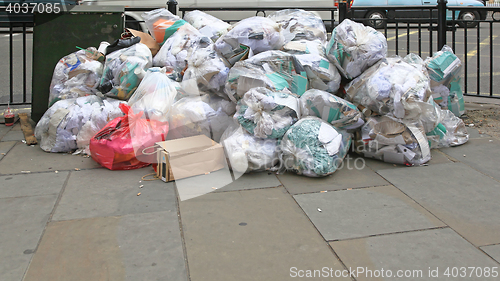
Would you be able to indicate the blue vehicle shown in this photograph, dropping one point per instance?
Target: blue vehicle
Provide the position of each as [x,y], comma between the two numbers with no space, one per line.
[378,16]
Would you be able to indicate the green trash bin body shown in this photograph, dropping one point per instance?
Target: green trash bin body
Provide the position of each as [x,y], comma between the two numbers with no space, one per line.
[57,35]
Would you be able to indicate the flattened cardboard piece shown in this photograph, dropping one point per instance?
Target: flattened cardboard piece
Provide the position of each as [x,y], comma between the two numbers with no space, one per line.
[187,157]
[243,54]
[146,39]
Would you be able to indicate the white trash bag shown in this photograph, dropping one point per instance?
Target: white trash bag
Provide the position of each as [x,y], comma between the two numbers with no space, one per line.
[355,47]
[275,70]
[162,24]
[155,95]
[200,115]
[248,153]
[70,124]
[299,24]
[124,70]
[391,87]
[248,37]
[208,25]
[267,114]
[338,112]
[76,75]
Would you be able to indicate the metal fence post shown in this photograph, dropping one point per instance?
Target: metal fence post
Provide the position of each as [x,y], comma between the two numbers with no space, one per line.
[441,23]
[172,6]
[342,10]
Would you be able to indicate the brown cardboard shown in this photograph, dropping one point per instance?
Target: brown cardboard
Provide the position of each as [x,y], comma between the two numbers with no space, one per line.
[146,39]
[187,157]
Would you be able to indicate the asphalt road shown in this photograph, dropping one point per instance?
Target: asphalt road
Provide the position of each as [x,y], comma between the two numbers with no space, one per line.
[476,52]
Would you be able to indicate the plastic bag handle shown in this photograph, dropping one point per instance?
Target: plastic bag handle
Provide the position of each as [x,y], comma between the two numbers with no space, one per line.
[154,152]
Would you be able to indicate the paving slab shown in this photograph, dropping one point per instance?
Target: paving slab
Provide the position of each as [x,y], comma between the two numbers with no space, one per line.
[22,222]
[5,146]
[221,181]
[17,127]
[461,197]
[417,254]
[437,158]
[476,134]
[151,247]
[133,247]
[32,184]
[102,193]
[480,154]
[202,184]
[493,251]
[4,130]
[347,177]
[252,181]
[13,135]
[364,212]
[251,235]
[23,157]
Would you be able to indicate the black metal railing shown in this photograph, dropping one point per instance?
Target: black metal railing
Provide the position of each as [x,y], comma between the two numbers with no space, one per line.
[17,91]
[482,38]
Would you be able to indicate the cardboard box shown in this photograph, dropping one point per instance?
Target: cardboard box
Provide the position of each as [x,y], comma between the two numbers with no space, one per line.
[187,157]
[146,39]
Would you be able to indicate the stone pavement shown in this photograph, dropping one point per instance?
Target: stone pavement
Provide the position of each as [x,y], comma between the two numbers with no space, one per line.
[62,217]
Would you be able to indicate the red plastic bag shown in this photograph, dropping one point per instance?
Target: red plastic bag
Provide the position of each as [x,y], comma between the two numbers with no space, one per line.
[120,144]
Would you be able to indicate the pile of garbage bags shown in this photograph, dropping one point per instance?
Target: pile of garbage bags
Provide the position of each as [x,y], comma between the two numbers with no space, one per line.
[272,90]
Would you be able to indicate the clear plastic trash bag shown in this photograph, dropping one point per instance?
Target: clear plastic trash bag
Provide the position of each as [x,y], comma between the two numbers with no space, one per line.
[162,24]
[393,141]
[177,49]
[314,148]
[444,69]
[155,95]
[267,114]
[124,70]
[321,72]
[76,75]
[208,25]
[299,24]
[70,124]
[193,55]
[391,87]
[206,72]
[250,36]
[355,47]
[248,153]
[275,70]
[446,130]
[338,112]
[200,115]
